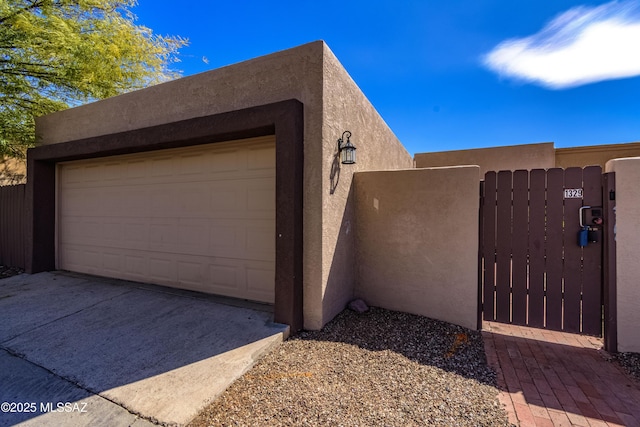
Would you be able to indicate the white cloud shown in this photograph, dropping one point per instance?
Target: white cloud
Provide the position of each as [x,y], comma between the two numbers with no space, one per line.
[580,46]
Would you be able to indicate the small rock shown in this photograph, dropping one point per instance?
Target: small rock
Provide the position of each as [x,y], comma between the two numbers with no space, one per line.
[359,306]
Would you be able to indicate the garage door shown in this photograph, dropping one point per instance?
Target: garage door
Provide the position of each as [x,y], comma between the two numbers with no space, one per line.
[199,218]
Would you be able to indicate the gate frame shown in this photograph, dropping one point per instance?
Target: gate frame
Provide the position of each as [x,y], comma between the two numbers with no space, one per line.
[609,283]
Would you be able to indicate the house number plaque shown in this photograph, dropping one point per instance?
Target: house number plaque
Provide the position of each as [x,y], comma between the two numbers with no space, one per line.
[573,193]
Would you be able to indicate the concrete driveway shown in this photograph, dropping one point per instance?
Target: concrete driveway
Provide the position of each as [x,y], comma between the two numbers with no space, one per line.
[78,350]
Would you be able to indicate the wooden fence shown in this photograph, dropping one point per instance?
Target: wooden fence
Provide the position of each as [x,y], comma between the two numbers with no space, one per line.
[12,225]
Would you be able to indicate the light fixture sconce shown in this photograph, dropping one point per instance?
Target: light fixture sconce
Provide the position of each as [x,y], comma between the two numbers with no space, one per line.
[346,149]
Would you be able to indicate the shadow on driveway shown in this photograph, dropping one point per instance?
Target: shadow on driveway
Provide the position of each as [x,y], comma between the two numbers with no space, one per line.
[159,353]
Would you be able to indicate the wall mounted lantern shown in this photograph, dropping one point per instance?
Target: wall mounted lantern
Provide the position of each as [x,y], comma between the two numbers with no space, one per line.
[346,149]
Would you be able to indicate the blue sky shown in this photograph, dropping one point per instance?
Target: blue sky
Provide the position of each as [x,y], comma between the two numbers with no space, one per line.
[446,75]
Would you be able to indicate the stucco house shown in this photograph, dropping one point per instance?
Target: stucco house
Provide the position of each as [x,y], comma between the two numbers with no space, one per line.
[231,182]
[224,182]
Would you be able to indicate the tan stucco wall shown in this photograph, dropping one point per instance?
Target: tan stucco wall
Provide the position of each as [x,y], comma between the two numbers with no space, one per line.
[416,240]
[332,103]
[513,157]
[12,171]
[347,108]
[595,155]
[627,231]
[293,73]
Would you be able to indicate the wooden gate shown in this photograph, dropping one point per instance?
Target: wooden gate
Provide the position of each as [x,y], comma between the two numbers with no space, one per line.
[534,270]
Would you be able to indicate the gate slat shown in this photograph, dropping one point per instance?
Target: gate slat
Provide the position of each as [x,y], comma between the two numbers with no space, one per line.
[489,245]
[519,243]
[592,258]
[572,274]
[503,247]
[536,247]
[553,288]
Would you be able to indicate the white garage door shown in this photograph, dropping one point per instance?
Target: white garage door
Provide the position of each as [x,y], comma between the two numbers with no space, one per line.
[199,218]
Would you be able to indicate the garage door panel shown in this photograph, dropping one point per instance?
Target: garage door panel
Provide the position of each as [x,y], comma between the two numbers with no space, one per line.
[82,258]
[111,262]
[252,240]
[260,200]
[192,164]
[73,257]
[76,202]
[109,203]
[135,267]
[135,169]
[161,166]
[163,269]
[199,218]
[192,234]
[196,201]
[260,243]
[163,234]
[224,202]
[111,171]
[259,279]
[224,161]
[135,234]
[190,273]
[224,276]
[82,176]
[261,158]
[133,202]
[80,231]
[72,175]
[92,259]
[160,199]
[223,238]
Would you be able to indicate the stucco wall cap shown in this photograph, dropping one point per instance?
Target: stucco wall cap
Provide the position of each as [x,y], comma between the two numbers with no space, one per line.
[611,164]
[420,169]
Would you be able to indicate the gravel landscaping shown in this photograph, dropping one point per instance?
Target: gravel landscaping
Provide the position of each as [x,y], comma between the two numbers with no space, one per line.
[630,362]
[9,271]
[380,368]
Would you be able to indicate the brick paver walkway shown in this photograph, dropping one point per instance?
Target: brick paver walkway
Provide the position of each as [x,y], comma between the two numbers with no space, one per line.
[552,378]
